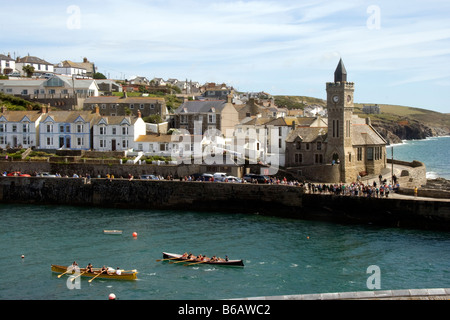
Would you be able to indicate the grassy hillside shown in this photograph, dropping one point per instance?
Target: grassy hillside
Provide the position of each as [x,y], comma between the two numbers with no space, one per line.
[401,115]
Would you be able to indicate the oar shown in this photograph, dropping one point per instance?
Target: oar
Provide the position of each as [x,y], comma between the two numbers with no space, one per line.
[68,270]
[90,280]
[181,261]
[77,276]
[166,259]
[191,264]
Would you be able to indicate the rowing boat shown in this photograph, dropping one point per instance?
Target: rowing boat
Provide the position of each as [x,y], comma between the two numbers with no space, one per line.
[179,257]
[125,274]
[112,231]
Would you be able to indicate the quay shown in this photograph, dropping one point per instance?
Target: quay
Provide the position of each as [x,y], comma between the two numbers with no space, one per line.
[272,200]
[407,294]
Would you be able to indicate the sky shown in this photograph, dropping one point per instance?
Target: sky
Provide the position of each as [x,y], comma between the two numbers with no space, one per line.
[396,52]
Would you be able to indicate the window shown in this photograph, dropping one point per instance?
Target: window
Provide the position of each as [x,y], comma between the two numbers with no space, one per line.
[298,158]
[125,143]
[26,127]
[114,131]
[212,118]
[79,128]
[49,141]
[14,128]
[280,143]
[370,153]
[183,119]
[318,158]
[347,129]
[359,154]
[141,106]
[124,131]
[152,106]
[102,143]
[61,128]
[80,141]
[2,127]
[131,106]
[103,106]
[298,145]
[307,146]
[49,128]
[319,146]
[280,131]
[102,130]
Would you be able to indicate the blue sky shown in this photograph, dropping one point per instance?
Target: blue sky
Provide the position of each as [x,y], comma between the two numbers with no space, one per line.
[396,52]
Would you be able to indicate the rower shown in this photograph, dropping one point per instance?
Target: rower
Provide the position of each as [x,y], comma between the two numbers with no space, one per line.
[118,271]
[89,268]
[104,270]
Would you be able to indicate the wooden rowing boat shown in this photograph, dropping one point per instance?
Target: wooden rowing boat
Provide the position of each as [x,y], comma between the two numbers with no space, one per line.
[125,274]
[179,257]
[112,231]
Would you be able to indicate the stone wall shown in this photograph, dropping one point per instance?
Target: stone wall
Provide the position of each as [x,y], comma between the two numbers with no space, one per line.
[273,200]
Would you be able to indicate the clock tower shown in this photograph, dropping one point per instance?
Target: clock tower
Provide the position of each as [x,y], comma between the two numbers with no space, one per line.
[340,112]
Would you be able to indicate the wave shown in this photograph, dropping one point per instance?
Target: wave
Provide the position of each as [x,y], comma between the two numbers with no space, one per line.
[432,175]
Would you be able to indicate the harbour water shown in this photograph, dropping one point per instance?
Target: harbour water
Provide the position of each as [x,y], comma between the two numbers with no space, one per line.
[281,256]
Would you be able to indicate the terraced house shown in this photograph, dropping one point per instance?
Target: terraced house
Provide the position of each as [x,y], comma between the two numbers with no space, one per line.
[19,128]
[67,130]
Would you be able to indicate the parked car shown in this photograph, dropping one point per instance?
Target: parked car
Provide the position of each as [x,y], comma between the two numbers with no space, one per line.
[250,177]
[45,174]
[14,74]
[207,177]
[17,174]
[219,176]
[233,179]
[148,177]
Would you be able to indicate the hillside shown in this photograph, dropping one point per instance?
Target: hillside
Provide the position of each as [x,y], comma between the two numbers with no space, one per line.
[395,123]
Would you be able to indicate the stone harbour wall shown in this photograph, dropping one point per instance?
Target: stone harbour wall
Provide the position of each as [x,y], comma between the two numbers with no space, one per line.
[273,200]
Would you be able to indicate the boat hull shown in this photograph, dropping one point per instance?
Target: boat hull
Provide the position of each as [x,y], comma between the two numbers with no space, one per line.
[112,232]
[178,257]
[132,275]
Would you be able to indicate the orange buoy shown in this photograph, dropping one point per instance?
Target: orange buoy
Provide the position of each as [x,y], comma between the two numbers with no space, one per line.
[135,234]
[112,296]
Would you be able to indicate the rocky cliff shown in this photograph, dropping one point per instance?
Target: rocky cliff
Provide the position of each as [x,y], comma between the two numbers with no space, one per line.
[395,132]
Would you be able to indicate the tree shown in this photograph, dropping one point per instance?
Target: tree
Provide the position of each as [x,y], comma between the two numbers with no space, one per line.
[99,75]
[29,70]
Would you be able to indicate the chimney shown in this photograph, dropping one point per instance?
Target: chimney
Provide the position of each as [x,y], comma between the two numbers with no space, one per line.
[139,114]
[124,94]
[48,108]
[97,109]
[3,109]
[85,60]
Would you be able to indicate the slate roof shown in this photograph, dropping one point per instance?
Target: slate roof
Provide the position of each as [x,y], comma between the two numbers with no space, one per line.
[17,116]
[201,106]
[115,99]
[32,59]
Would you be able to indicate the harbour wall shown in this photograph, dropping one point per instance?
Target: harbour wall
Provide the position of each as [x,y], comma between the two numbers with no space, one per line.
[273,200]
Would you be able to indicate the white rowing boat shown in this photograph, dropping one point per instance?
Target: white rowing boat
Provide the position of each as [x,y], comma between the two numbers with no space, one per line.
[112,231]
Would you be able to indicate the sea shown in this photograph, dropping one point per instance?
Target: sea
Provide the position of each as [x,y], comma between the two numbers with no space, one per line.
[281,256]
[434,152]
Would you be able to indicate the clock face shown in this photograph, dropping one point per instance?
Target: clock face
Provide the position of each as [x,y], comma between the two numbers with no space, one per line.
[335,98]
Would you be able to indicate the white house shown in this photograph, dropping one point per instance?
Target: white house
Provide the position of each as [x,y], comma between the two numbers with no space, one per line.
[7,64]
[19,128]
[117,133]
[67,130]
[70,68]
[40,66]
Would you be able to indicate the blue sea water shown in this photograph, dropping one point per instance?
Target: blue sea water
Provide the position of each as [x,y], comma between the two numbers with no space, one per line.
[281,256]
[434,152]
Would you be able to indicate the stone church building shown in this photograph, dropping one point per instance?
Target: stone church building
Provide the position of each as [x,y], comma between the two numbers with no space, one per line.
[339,148]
